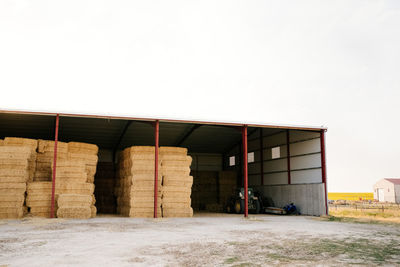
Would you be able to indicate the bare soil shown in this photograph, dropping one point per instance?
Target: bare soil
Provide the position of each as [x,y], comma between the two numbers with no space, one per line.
[205,240]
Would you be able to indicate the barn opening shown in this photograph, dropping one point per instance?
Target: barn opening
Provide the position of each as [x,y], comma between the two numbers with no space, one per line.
[285,164]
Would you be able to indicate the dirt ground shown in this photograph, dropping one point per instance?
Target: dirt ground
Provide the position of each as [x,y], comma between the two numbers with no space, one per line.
[206,240]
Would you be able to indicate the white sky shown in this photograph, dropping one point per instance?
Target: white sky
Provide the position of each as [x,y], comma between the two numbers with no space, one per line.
[331,63]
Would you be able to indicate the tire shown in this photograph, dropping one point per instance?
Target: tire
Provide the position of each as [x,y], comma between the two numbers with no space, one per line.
[258,207]
[239,206]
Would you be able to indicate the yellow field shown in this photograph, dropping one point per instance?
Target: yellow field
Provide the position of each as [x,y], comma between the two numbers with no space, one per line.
[350,196]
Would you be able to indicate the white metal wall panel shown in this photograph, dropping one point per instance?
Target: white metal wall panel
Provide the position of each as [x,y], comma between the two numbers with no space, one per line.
[295,136]
[276,178]
[275,165]
[307,161]
[306,176]
[305,147]
[309,198]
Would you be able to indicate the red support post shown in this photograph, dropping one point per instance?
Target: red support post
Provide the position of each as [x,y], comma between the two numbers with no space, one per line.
[262,155]
[245,172]
[288,157]
[323,167]
[53,186]
[156,139]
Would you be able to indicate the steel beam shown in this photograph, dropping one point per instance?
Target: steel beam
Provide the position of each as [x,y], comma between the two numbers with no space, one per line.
[156,141]
[262,155]
[288,157]
[245,172]
[53,185]
[323,167]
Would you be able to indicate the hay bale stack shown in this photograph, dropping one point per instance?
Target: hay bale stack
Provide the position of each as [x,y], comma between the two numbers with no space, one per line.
[71,173]
[86,153]
[39,195]
[74,206]
[177,182]
[17,163]
[205,189]
[75,170]
[104,188]
[135,182]
[45,156]
[227,186]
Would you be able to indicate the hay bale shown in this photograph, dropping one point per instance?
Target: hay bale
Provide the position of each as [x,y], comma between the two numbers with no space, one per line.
[48,146]
[74,200]
[177,189]
[17,152]
[83,148]
[176,205]
[12,197]
[11,186]
[93,211]
[11,213]
[15,179]
[188,212]
[74,212]
[15,164]
[16,141]
[186,162]
[172,150]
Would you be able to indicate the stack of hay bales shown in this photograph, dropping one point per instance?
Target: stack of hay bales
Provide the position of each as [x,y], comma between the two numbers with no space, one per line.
[17,164]
[74,206]
[104,188]
[227,186]
[205,189]
[177,182]
[86,153]
[135,182]
[39,195]
[45,158]
[75,170]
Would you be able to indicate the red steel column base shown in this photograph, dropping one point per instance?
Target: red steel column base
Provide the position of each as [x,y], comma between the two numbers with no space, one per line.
[53,185]
[245,172]
[156,137]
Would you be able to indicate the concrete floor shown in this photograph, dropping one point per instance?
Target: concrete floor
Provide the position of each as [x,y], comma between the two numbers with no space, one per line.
[205,240]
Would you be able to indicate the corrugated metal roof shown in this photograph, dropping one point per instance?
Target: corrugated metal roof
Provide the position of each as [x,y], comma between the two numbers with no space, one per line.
[109,133]
[269,125]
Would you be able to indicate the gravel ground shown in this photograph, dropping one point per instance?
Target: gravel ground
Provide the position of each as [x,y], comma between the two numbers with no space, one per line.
[205,240]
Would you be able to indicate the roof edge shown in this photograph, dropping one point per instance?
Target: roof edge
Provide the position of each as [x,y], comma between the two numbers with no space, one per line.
[99,116]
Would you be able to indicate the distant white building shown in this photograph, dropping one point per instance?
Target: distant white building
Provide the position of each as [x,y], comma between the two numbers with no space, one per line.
[387,190]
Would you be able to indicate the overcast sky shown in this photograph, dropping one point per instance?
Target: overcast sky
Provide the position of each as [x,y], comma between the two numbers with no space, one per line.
[331,63]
